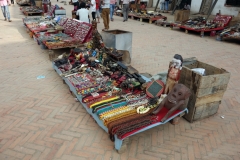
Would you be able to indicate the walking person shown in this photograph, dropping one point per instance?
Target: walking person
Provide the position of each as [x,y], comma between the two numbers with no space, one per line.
[105,13]
[166,5]
[93,9]
[112,8]
[5,9]
[12,2]
[125,9]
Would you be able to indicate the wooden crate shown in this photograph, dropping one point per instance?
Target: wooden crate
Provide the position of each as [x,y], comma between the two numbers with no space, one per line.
[39,4]
[181,15]
[207,91]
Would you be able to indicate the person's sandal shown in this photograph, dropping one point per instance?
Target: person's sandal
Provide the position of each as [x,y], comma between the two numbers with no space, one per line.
[9,20]
[5,19]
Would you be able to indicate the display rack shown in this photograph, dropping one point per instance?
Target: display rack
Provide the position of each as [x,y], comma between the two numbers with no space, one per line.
[120,144]
[149,19]
[224,20]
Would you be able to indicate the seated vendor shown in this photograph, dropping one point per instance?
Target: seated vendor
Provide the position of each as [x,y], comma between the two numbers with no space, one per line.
[143,7]
[83,13]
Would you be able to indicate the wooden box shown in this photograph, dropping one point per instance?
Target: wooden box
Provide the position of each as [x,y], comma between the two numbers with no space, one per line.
[39,4]
[181,15]
[207,91]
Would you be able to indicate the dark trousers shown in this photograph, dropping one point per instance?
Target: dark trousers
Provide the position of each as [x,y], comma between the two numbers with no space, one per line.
[12,1]
[94,16]
[33,2]
[125,11]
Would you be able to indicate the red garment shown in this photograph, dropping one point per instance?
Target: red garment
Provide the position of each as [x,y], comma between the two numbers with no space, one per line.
[159,117]
[97,4]
[45,8]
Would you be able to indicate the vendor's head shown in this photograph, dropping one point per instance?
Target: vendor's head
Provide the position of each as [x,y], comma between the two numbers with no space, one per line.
[82,5]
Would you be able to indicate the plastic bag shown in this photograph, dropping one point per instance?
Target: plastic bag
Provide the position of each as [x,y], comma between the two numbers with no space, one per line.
[200,71]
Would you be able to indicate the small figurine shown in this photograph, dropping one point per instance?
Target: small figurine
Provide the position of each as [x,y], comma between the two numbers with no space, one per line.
[174,71]
[174,100]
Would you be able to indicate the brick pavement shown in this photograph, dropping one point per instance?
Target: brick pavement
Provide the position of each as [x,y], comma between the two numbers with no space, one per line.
[41,120]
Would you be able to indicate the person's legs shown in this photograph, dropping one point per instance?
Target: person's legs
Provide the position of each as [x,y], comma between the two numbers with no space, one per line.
[104,16]
[127,10]
[33,3]
[98,15]
[111,12]
[12,1]
[124,12]
[162,6]
[3,11]
[112,6]
[166,5]
[94,16]
[7,13]
[108,12]
[45,8]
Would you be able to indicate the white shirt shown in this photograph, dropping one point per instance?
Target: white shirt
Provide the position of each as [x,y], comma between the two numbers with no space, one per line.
[83,15]
[125,1]
[106,4]
[93,6]
[74,1]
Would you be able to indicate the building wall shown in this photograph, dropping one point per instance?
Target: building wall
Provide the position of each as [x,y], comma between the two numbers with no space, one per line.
[196,4]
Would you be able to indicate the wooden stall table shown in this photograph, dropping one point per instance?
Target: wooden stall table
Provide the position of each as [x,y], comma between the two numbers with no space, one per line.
[149,19]
[32,11]
[119,143]
[224,20]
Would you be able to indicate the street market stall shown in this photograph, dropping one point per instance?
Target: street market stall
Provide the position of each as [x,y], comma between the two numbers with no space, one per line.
[202,26]
[232,32]
[48,32]
[122,103]
[32,11]
[23,2]
[150,18]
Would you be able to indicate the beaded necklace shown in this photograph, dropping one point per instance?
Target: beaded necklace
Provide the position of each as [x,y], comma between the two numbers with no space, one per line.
[96,108]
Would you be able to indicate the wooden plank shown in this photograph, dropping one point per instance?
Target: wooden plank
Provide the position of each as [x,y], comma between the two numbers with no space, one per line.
[206,110]
[214,80]
[209,99]
[210,70]
[211,90]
